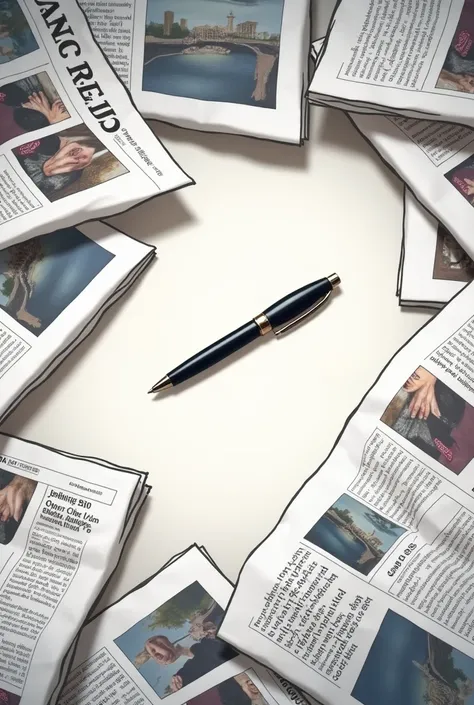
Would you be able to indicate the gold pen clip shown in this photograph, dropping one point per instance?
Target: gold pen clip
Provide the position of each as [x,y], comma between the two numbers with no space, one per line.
[296,321]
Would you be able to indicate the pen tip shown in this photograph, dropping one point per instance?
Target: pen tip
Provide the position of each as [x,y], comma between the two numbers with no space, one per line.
[164,383]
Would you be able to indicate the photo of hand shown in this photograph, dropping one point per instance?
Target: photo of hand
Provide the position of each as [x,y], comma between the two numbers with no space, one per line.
[435,419]
[68,162]
[16,492]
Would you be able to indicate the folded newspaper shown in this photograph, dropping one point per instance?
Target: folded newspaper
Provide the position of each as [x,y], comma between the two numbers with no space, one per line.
[435,160]
[433,267]
[64,521]
[159,641]
[53,290]
[233,66]
[72,145]
[363,591]
[409,58]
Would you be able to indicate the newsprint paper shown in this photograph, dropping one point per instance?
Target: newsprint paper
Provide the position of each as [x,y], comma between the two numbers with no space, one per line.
[159,642]
[434,267]
[411,58]
[363,593]
[72,145]
[53,290]
[64,521]
[229,66]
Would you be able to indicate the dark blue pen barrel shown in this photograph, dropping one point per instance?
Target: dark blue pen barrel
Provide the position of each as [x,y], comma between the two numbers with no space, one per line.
[298,302]
[215,353]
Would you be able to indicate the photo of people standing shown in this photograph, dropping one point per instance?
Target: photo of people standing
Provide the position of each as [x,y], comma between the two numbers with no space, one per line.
[355,534]
[16,492]
[434,418]
[457,73]
[239,690]
[68,162]
[462,178]
[176,644]
[226,51]
[29,104]
[39,278]
[16,37]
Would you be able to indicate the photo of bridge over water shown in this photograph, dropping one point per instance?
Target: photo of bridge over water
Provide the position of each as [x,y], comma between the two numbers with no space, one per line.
[408,666]
[355,534]
[226,51]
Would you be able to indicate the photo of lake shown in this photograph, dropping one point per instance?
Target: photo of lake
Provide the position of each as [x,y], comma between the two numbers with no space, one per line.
[409,666]
[354,534]
[39,278]
[226,51]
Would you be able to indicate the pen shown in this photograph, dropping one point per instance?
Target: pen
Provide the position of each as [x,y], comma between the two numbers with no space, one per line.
[284,315]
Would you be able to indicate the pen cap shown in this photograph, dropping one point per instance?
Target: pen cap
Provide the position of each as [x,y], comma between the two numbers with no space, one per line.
[299,301]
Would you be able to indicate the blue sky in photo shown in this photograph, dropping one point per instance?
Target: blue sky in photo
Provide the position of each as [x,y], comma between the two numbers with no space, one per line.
[267,13]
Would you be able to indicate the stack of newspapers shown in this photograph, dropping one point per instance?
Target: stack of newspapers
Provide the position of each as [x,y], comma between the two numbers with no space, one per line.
[404,73]
[64,521]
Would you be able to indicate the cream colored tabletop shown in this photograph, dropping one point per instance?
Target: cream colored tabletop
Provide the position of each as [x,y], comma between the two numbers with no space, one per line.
[226,453]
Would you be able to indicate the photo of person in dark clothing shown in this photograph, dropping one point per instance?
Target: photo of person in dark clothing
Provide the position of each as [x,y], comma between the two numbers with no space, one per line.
[176,644]
[457,73]
[462,178]
[68,162]
[435,419]
[29,104]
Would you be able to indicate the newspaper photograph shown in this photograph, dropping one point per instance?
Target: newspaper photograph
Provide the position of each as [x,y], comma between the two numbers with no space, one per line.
[63,524]
[415,58]
[53,288]
[434,267]
[72,145]
[362,592]
[232,66]
[159,643]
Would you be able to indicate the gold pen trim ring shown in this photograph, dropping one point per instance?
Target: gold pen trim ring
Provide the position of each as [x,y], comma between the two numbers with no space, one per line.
[263,323]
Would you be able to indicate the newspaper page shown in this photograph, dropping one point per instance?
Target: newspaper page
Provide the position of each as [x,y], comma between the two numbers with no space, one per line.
[415,58]
[436,161]
[72,145]
[235,67]
[435,267]
[52,288]
[363,591]
[159,642]
[63,522]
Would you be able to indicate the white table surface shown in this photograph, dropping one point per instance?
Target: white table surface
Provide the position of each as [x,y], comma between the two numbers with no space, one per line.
[226,453]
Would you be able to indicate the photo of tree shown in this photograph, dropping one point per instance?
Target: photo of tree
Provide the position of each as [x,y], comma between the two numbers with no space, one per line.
[176,644]
[39,278]
[355,534]
[226,51]
[423,669]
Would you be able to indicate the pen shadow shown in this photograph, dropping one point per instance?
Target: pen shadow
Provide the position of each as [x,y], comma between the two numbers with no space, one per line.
[234,358]
[269,152]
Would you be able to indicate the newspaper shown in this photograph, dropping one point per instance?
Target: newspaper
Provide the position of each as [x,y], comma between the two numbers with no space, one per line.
[411,58]
[53,290]
[64,521]
[72,145]
[436,161]
[363,591]
[159,642]
[235,67]
[434,266]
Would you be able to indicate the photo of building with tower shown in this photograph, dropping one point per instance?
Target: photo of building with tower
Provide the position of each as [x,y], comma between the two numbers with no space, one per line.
[202,49]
